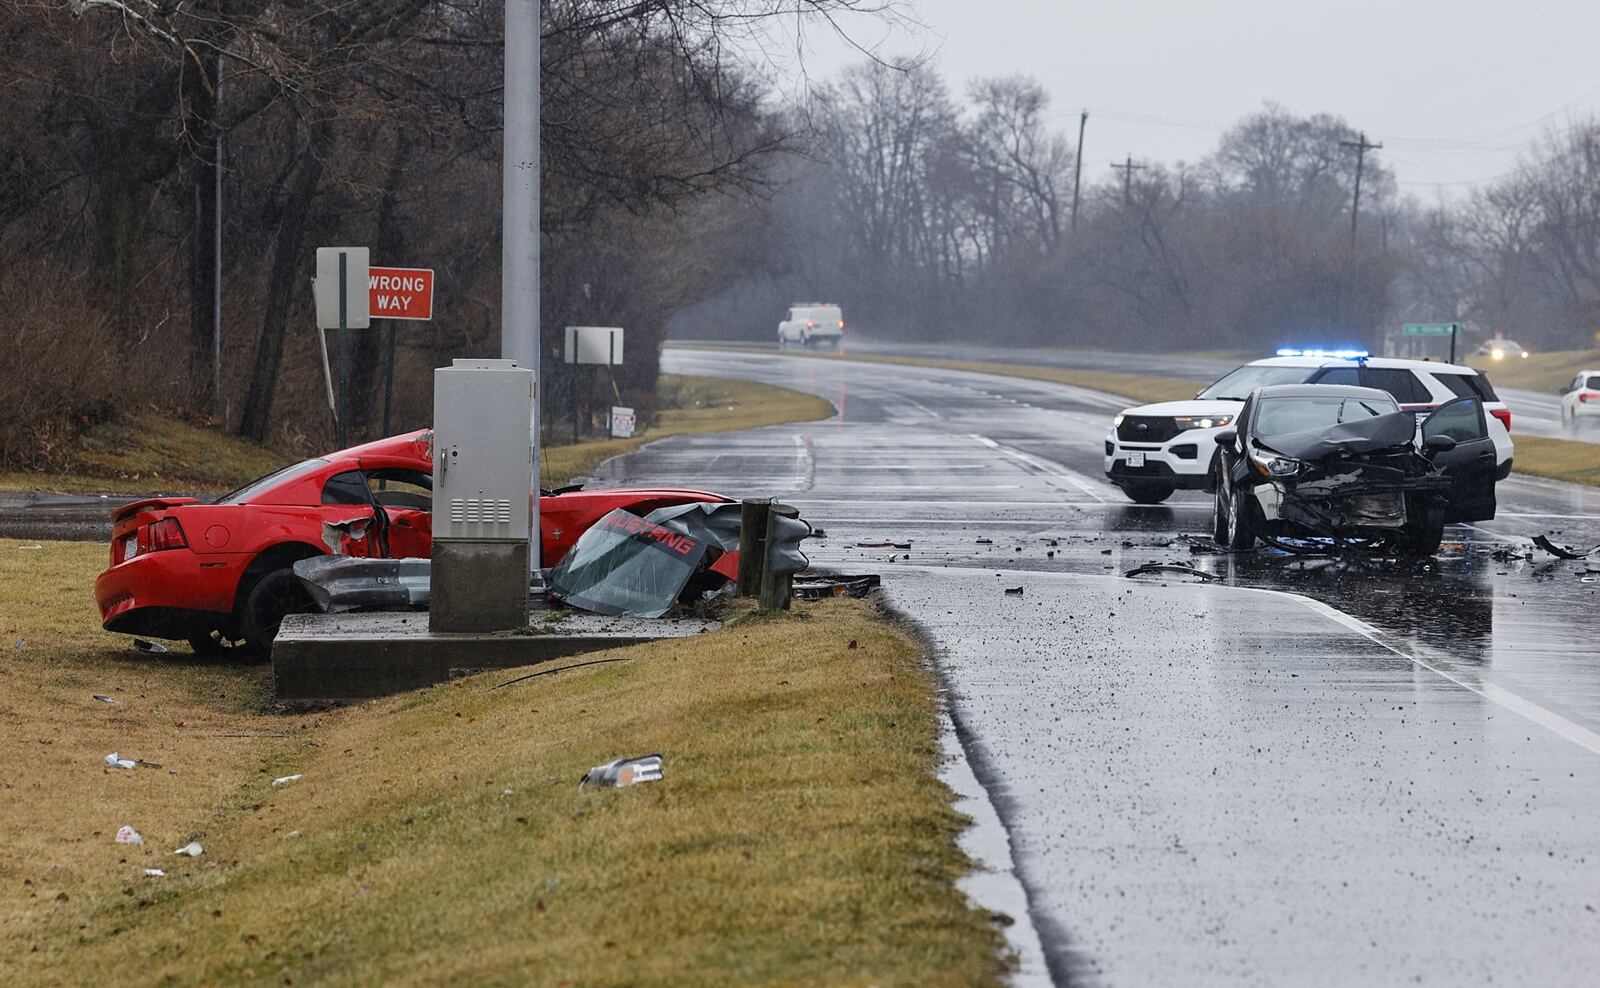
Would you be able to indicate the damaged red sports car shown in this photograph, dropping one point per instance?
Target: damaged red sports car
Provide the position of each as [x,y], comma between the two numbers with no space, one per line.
[220,573]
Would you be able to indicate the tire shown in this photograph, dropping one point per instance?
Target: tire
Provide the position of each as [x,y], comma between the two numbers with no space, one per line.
[1240,532]
[1422,541]
[1219,519]
[276,595]
[1147,493]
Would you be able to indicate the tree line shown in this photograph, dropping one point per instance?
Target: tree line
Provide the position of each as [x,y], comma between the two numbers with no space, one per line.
[930,217]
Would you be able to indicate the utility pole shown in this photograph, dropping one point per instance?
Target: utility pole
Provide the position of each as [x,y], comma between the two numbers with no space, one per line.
[1127,169]
[221,408]
[1361,147]
[1077,169]
[519,247]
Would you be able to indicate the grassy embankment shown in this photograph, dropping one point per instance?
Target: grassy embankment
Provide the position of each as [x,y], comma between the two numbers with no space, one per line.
[149,451]
[799,835]
[1551,458]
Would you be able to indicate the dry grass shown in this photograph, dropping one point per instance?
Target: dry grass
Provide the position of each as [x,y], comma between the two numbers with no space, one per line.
[694,406]
[799,835]
[1548,372]
[1558,459]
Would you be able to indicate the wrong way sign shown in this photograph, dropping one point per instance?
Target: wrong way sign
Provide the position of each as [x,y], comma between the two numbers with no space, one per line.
[400,293]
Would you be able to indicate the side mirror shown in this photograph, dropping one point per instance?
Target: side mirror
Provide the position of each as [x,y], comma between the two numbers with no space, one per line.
[1225,438]
[1439,444]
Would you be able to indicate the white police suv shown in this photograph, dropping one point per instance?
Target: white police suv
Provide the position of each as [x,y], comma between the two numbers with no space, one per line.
[1153,450]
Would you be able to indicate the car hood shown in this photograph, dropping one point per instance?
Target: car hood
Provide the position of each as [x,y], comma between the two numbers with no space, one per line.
[1364,436]
[1193,406]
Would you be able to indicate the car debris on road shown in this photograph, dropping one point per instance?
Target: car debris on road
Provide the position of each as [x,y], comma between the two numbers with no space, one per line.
[623,772]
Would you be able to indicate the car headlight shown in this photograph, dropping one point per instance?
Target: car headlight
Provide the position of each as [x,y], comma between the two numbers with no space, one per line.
[1116,422]
[1497,355]
[1272,465]
[1187,422]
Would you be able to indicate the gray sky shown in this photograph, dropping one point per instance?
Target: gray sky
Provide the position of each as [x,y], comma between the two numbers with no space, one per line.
[1452,89]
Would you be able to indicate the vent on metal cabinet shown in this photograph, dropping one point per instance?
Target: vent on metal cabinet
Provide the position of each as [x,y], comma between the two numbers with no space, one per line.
[480,511]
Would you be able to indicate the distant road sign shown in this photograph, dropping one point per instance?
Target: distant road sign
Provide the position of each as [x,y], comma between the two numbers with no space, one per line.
[326,287]
[594,345]
[400,293]
[1429,328]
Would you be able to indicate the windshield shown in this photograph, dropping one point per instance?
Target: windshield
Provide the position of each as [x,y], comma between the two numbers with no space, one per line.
[1237,385]
[1283,416]
[250,490]
[626,565]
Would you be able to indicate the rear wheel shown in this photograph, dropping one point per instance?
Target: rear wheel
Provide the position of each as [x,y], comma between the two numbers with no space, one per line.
[278,594]
[1147,493]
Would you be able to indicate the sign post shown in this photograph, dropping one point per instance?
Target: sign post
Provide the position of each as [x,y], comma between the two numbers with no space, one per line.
[343,306]
[1450,329]
[398,293]
[599,345]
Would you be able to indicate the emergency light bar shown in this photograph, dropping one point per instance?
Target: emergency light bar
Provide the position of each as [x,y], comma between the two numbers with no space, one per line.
[1329,354]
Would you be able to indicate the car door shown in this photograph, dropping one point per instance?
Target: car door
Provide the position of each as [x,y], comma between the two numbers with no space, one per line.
[1471,464]
[406,496]
[350,524]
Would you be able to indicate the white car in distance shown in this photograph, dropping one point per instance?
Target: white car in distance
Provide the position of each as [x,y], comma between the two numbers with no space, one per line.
[1154,450]
[1580,400]
[811,324]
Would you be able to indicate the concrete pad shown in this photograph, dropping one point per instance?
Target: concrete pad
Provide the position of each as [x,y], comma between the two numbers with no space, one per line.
[361,656]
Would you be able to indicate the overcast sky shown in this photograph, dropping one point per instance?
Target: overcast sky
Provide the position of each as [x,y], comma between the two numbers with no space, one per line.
[1452,89]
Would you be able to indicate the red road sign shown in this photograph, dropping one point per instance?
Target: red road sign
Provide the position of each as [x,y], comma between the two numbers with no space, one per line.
[401,293]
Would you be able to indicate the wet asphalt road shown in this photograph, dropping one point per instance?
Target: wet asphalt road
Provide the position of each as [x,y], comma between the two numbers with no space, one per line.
[1384,775]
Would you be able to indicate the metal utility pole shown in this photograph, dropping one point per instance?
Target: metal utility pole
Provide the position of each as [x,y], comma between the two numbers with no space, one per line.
[216,259]
[1362,147]
[1127,169]
[1077,169]
[519,250]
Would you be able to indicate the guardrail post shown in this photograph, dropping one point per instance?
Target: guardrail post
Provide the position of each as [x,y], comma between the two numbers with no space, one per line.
[776,589]
[753,521]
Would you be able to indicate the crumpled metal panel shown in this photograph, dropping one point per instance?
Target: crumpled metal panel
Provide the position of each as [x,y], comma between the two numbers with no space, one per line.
[348,583]
[716,522]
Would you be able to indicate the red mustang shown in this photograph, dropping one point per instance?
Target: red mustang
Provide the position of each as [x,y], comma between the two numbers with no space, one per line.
[218,573]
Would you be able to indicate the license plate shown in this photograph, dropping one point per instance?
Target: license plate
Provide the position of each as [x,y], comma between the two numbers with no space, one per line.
[1136,460]
[130,548]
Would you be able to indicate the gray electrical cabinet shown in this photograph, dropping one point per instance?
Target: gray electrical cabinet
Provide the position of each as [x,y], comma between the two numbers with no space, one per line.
[482,487]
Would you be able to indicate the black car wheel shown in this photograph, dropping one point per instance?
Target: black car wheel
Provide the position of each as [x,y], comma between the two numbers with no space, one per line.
[1241,533]
[1219,518]
[278,594]
[1147,493]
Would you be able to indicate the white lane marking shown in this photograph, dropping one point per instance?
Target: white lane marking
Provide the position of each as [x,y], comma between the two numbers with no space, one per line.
[1042,465]
[1523,707]
[1495,536]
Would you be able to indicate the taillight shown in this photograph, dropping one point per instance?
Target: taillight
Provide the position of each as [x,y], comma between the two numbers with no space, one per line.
[1584,396]
[1504,415]
[164,534]
[810,324]
[841,323]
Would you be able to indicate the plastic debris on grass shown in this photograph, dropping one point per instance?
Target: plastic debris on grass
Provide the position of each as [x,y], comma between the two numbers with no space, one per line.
[114,761]
[128,835]
[191,850]
[622,772]
[285,780]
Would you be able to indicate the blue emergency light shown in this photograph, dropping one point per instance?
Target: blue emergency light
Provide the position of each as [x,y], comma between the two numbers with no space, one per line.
[1325,354]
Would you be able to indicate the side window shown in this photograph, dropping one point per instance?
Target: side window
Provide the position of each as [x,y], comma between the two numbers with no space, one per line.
[1459,385]
[1336,375]
[1594,382]
[349,487]
[1398,381]
[1461,420]
[401,489]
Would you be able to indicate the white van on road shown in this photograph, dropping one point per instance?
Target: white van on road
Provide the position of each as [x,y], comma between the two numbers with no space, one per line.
[812,323]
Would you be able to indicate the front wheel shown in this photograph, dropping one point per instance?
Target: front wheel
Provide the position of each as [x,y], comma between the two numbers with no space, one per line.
[277,595]
[1240,533]
[1145,493]
[1219,518]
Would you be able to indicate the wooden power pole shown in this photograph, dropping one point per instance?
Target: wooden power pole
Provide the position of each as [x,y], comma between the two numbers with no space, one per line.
[1127,169]
[1361,147]
[1077,169]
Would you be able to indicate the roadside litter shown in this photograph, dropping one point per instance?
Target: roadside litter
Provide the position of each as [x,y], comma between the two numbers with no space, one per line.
[1013,591]
[1561,551]
[191,849]
[818,588]
[22,643]
[155,648]
[1158,568]
[883,545]
[285,780]
[128,835]
[115,762]
[154,873]
[103,698]
[623,772]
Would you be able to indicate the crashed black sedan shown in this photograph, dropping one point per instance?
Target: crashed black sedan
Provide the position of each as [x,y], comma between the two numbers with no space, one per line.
[1321,461]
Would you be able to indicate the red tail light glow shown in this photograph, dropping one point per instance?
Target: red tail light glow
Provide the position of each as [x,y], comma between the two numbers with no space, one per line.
[1504,415]
[164,534]
[1584,396]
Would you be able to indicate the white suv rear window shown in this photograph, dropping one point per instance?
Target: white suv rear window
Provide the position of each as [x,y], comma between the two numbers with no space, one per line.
[1468,385]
